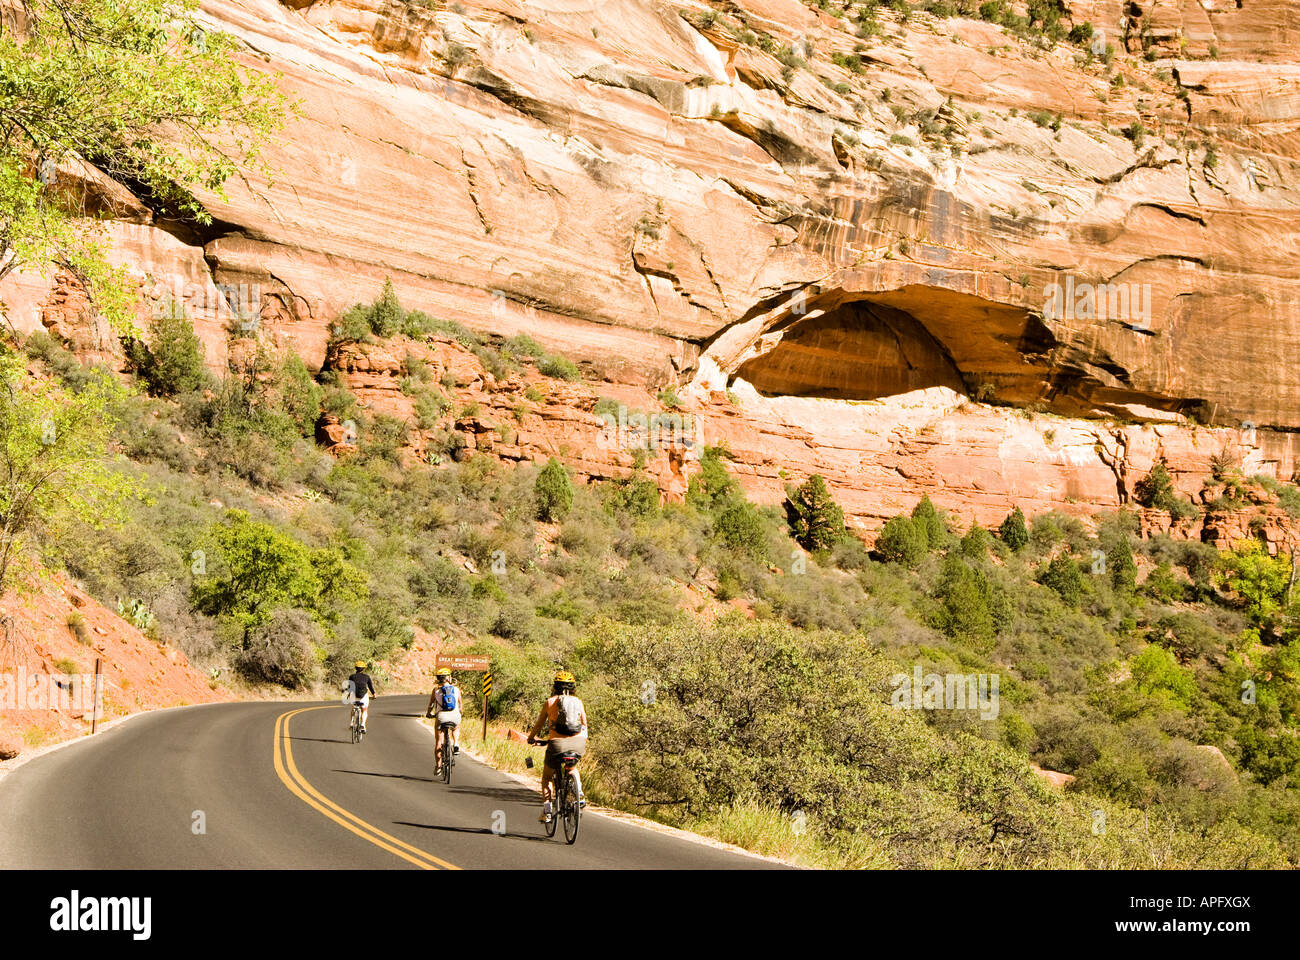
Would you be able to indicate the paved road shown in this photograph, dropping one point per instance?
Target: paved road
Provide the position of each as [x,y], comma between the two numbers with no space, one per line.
[280,785]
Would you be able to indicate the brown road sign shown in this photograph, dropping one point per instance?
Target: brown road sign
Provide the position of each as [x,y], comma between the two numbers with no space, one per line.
[463,662]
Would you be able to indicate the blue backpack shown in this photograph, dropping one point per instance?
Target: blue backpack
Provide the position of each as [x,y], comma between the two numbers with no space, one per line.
[447,698]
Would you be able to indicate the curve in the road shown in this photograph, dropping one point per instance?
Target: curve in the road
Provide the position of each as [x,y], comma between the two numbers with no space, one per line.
[300,787]
[193,788]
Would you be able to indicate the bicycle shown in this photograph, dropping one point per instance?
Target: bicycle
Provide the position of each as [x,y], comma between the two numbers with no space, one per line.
[354,725]
[567,805]
[448,751]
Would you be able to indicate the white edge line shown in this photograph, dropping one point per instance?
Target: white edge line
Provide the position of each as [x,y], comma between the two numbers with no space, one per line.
[27,756]
[622,816]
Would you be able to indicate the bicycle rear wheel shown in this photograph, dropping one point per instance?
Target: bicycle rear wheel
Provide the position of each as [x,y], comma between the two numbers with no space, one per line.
[572,810]
[446,755]
[356,727]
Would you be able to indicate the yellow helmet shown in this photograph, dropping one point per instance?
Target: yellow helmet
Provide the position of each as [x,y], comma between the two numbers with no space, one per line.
[361,664]
[564,676]
[443,672]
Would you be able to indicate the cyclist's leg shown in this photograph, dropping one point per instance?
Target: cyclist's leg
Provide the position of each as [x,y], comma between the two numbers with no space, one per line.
[437,746]
[365,712]
[548,777]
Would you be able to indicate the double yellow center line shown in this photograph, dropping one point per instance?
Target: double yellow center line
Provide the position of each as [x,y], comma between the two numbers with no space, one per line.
[298,785]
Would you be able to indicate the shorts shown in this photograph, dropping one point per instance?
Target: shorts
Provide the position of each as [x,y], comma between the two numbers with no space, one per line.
[448,716]
[558,745]
[363,701]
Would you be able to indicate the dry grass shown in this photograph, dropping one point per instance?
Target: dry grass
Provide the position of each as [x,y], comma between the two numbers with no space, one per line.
[747,825]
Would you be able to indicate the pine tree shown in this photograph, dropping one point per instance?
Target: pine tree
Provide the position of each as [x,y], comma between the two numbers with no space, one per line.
[1013,531]
[1063,576]
[1122,568]
[816,520]
[930,523]
[964,613]
[975,544]
[902,541]
[386,315]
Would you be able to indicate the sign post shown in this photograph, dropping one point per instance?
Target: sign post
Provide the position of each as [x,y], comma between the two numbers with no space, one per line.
[94,707]
[474,664]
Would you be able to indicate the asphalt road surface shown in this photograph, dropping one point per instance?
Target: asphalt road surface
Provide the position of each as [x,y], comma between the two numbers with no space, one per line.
[281,785]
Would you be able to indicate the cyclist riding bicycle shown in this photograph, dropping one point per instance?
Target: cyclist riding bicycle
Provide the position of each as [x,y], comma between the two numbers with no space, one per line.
[446,695]
[566,717]
[362,688]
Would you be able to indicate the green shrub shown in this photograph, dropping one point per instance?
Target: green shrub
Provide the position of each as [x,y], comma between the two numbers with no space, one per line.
[553,492]
[523,345]
[281,650]
[561,368]
[1156,672]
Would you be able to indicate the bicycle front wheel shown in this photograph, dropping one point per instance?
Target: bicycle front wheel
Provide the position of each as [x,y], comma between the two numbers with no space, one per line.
[572,811]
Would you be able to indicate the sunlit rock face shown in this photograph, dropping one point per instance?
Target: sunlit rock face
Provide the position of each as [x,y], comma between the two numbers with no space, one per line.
[680,201]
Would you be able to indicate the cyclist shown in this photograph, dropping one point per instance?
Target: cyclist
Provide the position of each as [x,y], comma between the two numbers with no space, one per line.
[362,688]
[446,694]
[566,717]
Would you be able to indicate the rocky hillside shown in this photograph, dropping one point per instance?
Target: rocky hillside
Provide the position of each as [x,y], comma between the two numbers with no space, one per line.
[856,217]
[53,632]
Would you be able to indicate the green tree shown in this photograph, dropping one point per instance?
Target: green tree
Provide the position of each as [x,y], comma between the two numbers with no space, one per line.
[635,496]
[300,394]
[902,540]
[975,544]
[1121,566]
[553,492]
[963,593]
[139,88]
[1156,673]
[266,569]
[741,528]
[172,362]
[1259,580]
[928,521]
[1063,576]
[816,520]
[55,465]
[1013,531]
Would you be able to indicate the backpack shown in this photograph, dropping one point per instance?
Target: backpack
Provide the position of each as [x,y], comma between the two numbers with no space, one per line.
[568,716]
[447,697]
